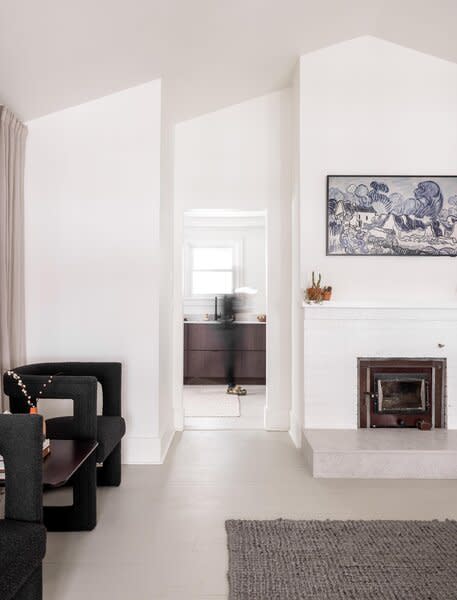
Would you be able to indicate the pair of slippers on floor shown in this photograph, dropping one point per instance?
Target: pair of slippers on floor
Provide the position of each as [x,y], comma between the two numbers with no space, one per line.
[237,390]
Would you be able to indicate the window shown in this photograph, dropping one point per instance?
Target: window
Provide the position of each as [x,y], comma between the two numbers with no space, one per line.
[212,270]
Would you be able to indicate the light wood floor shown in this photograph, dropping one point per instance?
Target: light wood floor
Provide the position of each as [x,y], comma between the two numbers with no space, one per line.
[161,535]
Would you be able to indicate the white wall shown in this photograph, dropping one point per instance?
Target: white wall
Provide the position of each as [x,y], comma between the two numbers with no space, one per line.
[372,107]
[238,158]
[166,317]
[92,246]
[248,233]
[231,158]
[297,405]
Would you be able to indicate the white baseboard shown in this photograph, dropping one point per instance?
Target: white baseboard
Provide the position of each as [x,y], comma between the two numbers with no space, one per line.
[146,450]
[166,440]
[295,430]
[276,420]
[178,414]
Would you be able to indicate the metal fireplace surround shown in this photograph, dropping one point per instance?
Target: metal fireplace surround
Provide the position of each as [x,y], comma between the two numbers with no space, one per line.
[399,392]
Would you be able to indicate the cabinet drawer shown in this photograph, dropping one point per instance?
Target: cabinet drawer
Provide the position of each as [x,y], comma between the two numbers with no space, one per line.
[252,337]
[210,364]
[212,337]
[203,337]
[203,364]
[250,365]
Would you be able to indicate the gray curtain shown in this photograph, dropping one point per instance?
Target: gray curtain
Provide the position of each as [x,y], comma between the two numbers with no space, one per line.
[13,135]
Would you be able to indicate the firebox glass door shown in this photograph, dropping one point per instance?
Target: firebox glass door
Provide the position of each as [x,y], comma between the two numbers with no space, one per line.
[401,394]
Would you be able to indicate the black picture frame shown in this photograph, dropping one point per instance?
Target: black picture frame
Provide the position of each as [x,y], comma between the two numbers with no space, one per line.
[400,215]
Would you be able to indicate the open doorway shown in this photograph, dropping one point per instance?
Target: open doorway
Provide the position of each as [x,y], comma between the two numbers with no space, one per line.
[225,319]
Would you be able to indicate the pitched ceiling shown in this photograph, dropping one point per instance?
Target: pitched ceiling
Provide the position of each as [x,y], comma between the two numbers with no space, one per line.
[210,53]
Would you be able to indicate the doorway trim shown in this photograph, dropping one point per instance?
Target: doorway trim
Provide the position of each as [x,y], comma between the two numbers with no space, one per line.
[278,347]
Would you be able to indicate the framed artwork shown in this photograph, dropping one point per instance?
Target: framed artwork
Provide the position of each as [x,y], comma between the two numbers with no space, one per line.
[391,215]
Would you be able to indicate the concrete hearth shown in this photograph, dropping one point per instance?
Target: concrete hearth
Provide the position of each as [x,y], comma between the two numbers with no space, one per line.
[381,453]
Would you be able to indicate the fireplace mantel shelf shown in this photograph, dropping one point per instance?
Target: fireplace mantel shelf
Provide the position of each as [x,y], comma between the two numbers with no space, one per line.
[334,310]
[375,305]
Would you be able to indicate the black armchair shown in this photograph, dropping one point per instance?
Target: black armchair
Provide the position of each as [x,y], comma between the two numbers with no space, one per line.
[109,427]
[22,535]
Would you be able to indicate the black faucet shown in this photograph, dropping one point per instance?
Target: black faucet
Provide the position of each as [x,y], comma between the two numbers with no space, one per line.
[215,308]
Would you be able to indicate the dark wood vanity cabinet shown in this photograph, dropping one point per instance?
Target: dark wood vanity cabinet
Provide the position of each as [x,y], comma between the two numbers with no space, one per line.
[204,353]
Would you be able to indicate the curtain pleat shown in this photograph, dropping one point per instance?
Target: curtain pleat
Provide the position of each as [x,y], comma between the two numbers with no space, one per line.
[13,136]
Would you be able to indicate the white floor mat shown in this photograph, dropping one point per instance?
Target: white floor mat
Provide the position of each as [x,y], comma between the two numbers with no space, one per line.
[210,401]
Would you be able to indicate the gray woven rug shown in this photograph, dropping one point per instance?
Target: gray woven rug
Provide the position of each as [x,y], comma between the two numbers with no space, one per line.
[354,560]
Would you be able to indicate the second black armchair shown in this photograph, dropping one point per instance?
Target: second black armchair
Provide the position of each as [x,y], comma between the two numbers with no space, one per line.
[110,426]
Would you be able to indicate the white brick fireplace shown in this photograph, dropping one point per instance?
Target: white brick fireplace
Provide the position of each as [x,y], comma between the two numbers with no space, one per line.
[335,336]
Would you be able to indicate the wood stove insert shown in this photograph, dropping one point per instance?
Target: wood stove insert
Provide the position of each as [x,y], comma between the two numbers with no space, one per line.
[399,392]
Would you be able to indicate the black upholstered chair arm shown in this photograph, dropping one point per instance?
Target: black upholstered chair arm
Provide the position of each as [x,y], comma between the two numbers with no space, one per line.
[108,374]
[81,389]
[21,438]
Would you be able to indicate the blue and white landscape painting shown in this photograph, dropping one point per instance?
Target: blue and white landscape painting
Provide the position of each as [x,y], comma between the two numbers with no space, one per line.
[400,216]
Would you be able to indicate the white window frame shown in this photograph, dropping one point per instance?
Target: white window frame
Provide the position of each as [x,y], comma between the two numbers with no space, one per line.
[237,270]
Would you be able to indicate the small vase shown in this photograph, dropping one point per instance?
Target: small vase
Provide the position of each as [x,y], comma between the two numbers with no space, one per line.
[34,411]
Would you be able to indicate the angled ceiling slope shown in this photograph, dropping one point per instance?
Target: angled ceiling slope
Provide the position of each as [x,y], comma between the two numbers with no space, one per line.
[209,53]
